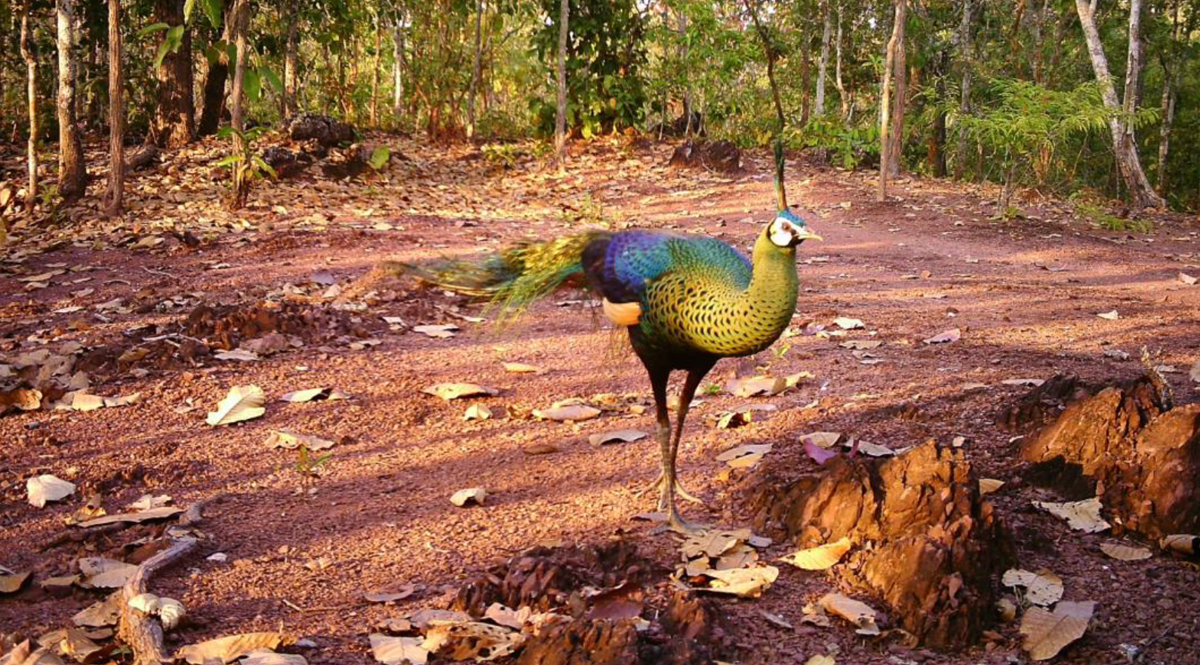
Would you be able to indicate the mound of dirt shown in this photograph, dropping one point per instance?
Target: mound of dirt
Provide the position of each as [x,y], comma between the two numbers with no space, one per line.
[722,156]
[1142,454]
[325,130]
[609,612]
[924,541]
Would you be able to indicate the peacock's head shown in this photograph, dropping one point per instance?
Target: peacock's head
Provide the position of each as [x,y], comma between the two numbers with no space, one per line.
[788,230]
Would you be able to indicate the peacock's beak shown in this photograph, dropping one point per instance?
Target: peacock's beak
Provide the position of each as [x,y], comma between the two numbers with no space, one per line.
[806,234]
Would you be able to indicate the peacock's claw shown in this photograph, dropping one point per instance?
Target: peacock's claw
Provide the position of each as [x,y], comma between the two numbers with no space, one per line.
[676,523]
[658,485]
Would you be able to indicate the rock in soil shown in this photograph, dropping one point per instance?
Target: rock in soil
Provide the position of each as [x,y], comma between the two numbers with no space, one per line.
[1142,455]
[924,540]
[287,163]
[326,131]
[722,156]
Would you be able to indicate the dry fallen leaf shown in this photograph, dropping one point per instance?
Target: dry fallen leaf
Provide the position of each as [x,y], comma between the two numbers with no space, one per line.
[1109,316]
[569,412]
[398,650]
[1080,515]
[856,612]
[522,368]
[1181,543]
[617,436]
[952,335]
[102,613]
[45,488]
[449,391]
[103,573]
[243,355]
[314,394]
[821,557]
[757,386]
[268,657]
[861,344]
[391,594]
[471,640]
[242,403]
[989,485]
[475,495]
[744,582]
[744,455]
[292,440]
[229,649]
[822,439]
[12,582]
[1041,588]
[437,332]
[1124,552]
[820,659]
[161,512]
[714,543]
[846,323]
[1046,632]
[1188,279]
[477,412]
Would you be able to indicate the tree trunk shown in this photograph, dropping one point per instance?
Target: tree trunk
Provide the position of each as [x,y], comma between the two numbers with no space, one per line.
[1172,65]
[900,94]
[398,69]
[893,67]
[175,116]
[805,75]
[1141,192]
[476,67]
[837,69]
[116,113]
[241,21]
[560,118]
[31,189]
[214,84]
[823,63]
[72,175]
[681,27]
[375,72]
[287,98]
[965,61]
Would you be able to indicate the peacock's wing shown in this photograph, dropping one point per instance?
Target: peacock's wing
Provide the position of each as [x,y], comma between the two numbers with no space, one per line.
[623,266]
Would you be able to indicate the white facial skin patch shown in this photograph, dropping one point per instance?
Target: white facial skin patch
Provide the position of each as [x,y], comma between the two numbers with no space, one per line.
[783,232]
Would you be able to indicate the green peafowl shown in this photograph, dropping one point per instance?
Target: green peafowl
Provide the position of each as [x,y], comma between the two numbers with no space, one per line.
[687,301]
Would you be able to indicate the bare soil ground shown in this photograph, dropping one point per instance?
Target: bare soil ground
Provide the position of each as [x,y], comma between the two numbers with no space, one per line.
[302,551]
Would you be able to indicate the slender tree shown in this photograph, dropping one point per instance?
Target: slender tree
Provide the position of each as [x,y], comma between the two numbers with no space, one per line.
[241,20]
[116,113]
[560,118]
[1141,192]
[891,106]
[967,66]
[837,69]
[823,63]
[27,52]
[476,66]
[213,97]
[72,174]
[291,60]
[398,66]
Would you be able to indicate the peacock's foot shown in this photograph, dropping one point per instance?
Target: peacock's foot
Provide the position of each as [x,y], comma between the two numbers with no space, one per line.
[659,484]
[676,523]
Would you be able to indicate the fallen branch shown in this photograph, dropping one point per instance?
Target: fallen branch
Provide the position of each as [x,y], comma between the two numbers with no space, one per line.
[80,535]
[141,632]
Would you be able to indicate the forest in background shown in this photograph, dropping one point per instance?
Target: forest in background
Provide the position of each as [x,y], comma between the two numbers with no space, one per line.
[1092,100]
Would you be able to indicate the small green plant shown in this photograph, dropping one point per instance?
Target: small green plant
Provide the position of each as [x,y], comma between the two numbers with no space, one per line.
[1095,212]
[307,463]
[713,389]
[379,158]
[781,350]
[245,165]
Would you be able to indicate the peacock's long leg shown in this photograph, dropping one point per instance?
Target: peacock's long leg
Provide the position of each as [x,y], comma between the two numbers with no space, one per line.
[694,376]
[658,384]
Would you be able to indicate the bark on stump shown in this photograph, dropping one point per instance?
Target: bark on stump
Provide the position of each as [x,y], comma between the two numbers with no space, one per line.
[1142,455]
[925,542]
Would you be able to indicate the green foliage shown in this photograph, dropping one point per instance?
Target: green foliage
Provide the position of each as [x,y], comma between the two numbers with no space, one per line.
[847,146]
[1091,208]
[244,164]
[379,158]
[713,390]
[307,463]
[606,53]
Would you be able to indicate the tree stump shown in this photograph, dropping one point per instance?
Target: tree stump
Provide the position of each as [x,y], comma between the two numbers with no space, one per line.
[1142,455]
[925,542]
[721,156]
